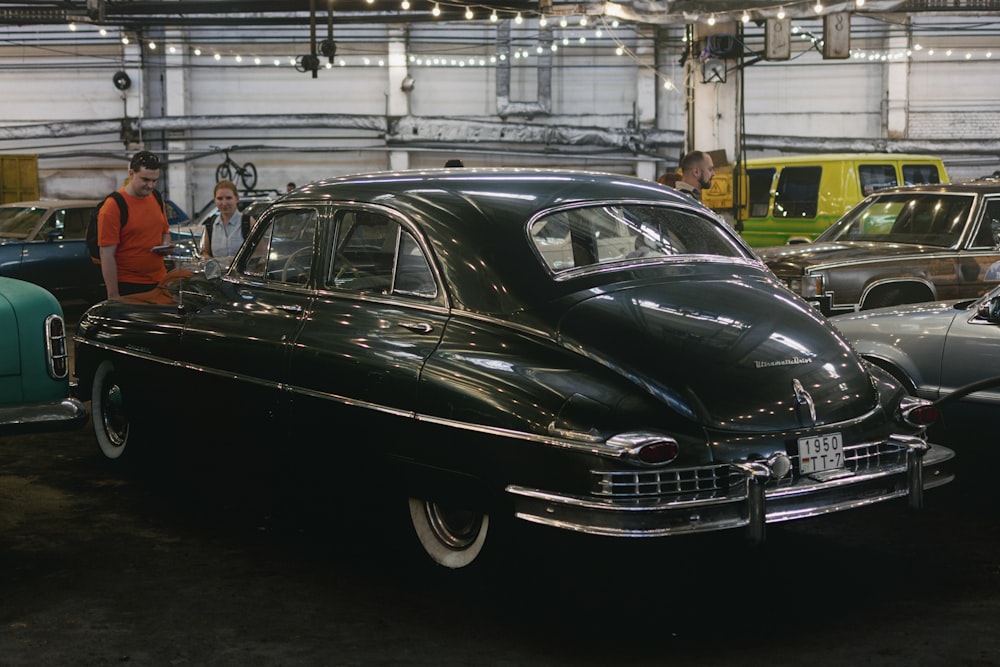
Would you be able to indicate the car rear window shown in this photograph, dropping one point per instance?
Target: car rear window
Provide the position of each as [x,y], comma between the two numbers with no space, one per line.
[594,235]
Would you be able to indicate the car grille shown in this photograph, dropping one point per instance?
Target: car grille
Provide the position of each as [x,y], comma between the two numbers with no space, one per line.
[717,479]
[708,481]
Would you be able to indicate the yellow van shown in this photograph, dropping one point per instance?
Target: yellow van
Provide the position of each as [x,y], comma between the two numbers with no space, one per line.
[793,199]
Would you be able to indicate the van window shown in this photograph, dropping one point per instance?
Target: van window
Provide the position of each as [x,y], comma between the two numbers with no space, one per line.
[759,183]
[920,174]
[797,193]
[876,177]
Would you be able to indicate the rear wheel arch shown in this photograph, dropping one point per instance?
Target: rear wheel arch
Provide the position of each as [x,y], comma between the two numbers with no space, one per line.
[895,371]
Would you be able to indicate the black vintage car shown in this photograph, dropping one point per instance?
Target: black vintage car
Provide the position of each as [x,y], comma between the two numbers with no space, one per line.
[899,245]
[585,351]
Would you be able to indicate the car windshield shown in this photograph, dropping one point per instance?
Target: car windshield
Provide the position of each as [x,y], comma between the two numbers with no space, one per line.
[18,221]
[925,218]
[593,235]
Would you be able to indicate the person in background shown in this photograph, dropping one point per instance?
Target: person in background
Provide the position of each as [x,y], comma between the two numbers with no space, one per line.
[224,232]
[697,170]
[290,186]
[132,256]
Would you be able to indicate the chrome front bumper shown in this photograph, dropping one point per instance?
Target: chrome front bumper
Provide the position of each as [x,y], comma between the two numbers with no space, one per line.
[752,504]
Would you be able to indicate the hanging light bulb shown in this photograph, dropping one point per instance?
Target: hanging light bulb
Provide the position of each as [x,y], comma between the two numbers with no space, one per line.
[542,21]
[493,17]
[518,20]
[468,13]
[711,19]
[781,13]
[818,7]
[437,10]
[746,17]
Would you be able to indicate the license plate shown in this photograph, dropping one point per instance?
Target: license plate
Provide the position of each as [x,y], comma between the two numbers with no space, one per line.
[820,452]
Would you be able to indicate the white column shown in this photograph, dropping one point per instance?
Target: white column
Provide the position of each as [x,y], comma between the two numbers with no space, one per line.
[177,104]
[897,86]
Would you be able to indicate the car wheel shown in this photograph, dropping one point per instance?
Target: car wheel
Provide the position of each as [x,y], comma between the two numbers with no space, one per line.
[112,425]
[453,537]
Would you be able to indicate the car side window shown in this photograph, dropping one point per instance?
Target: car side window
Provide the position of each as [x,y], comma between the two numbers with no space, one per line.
[75,223]
[797,193]
[759,182]
[876,177]
[374,254]
[919,174]
[284,250]
[413,272]
[989,229]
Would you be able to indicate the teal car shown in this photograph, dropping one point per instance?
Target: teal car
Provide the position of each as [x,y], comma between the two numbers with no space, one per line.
[35,393]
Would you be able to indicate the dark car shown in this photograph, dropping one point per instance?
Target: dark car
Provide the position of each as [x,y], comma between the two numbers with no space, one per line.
[945,351]
[45,242]
[900,245]
[589,352]
[35,393]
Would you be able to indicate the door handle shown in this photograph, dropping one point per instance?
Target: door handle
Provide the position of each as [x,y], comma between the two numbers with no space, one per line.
[419,327]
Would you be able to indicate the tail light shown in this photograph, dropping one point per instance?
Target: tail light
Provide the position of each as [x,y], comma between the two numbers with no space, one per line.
[918,411]
[648,448]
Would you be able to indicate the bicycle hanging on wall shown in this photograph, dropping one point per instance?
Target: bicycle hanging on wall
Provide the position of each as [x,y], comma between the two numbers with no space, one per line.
[229,169]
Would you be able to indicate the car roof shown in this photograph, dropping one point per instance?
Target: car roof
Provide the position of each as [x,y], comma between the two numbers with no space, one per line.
[980,186]
[483,213]
[837,157]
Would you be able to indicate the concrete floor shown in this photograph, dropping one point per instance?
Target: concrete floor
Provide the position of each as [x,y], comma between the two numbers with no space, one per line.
[198,564]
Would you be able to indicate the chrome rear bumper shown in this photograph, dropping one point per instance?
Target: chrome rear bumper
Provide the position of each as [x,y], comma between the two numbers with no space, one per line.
[750,505]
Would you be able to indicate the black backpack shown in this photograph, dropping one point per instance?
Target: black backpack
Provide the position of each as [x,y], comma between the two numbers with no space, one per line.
[95,250]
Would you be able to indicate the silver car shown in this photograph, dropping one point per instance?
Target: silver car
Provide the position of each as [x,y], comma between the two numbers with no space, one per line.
[936,349]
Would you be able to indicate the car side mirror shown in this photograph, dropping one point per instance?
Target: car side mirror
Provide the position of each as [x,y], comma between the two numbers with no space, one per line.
[990,310]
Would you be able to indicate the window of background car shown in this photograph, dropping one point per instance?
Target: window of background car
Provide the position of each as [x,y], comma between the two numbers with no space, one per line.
[74,222]
[18,221]
[759,196]
[876,177]
[587,236]
[284,250]
[797,194]
[920,174]
[988,233]
[906,218]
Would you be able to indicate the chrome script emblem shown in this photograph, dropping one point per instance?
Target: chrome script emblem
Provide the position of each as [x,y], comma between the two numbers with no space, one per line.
[802,397]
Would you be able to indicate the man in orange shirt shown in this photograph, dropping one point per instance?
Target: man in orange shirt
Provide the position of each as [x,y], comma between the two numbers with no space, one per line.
[130,262]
